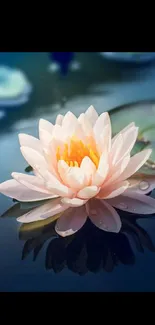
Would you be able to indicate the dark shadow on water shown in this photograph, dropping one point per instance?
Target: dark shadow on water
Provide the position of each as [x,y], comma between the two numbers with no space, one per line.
[90,249]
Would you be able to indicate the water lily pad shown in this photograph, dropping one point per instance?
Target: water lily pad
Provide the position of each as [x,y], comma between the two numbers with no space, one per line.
[143,114]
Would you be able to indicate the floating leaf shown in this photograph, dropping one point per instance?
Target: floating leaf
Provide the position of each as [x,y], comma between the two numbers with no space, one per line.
[142,113]
[28,169]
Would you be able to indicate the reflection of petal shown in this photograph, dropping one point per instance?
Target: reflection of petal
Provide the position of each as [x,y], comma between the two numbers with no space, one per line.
[108,263]
[77,255]
[122,249]
[94,261]
[37,251]
[142,238]
[55,255]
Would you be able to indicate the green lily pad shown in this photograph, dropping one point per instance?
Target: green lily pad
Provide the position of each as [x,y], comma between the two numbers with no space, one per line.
[143,114]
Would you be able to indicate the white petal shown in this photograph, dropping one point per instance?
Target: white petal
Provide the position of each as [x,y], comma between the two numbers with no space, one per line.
[32,182]
[135,163]
[104,216]
[45,137]
[45,125]
[29,141]
[123,131]
[69,124]
[59,119]
[43,212]
[102,171]
[71,221]
[135,203]
[88,192]
[22,193]
[73,202]
[92,115]
[59,134]
[34,158]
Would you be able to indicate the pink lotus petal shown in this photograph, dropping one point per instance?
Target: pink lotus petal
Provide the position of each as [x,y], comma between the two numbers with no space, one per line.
[59,134]
[29,141]
[135,163]
[45,138]
[88,192]
[92,115]
[32,182]
[113,190]
[103,215]
[71,221]
[123,131]
[142,184]
[116,149]
[129,139]
[76,178]
[135,203]
[59,119]
[102,170]
[102,122]
[51,161]
[22,193]
[69,124]
[75,202]
[117,172]
[53,184]
[86,125]
[103,140]
[88,167]
[34,158]
[45,125]
[45,211]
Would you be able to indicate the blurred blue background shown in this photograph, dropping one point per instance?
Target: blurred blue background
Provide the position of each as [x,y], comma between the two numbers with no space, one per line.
[48,83]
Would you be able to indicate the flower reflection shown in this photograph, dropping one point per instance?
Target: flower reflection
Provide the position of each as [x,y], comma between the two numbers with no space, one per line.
[90,249]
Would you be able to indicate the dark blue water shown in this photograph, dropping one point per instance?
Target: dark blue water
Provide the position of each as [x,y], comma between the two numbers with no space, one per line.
[36,259]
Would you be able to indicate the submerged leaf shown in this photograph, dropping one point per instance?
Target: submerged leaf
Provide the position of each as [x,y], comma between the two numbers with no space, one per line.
[33,229]
[28,169]
[14,211]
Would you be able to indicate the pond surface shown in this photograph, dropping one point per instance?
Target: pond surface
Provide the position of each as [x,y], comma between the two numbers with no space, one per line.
[36,259]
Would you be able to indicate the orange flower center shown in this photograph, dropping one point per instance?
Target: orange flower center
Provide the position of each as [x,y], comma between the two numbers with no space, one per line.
[74,153]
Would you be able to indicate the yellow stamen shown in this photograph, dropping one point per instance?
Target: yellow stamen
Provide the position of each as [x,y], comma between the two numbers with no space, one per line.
[76,164]
[74,152]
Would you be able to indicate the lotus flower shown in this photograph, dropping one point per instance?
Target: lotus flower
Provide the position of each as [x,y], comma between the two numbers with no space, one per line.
[82,171]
